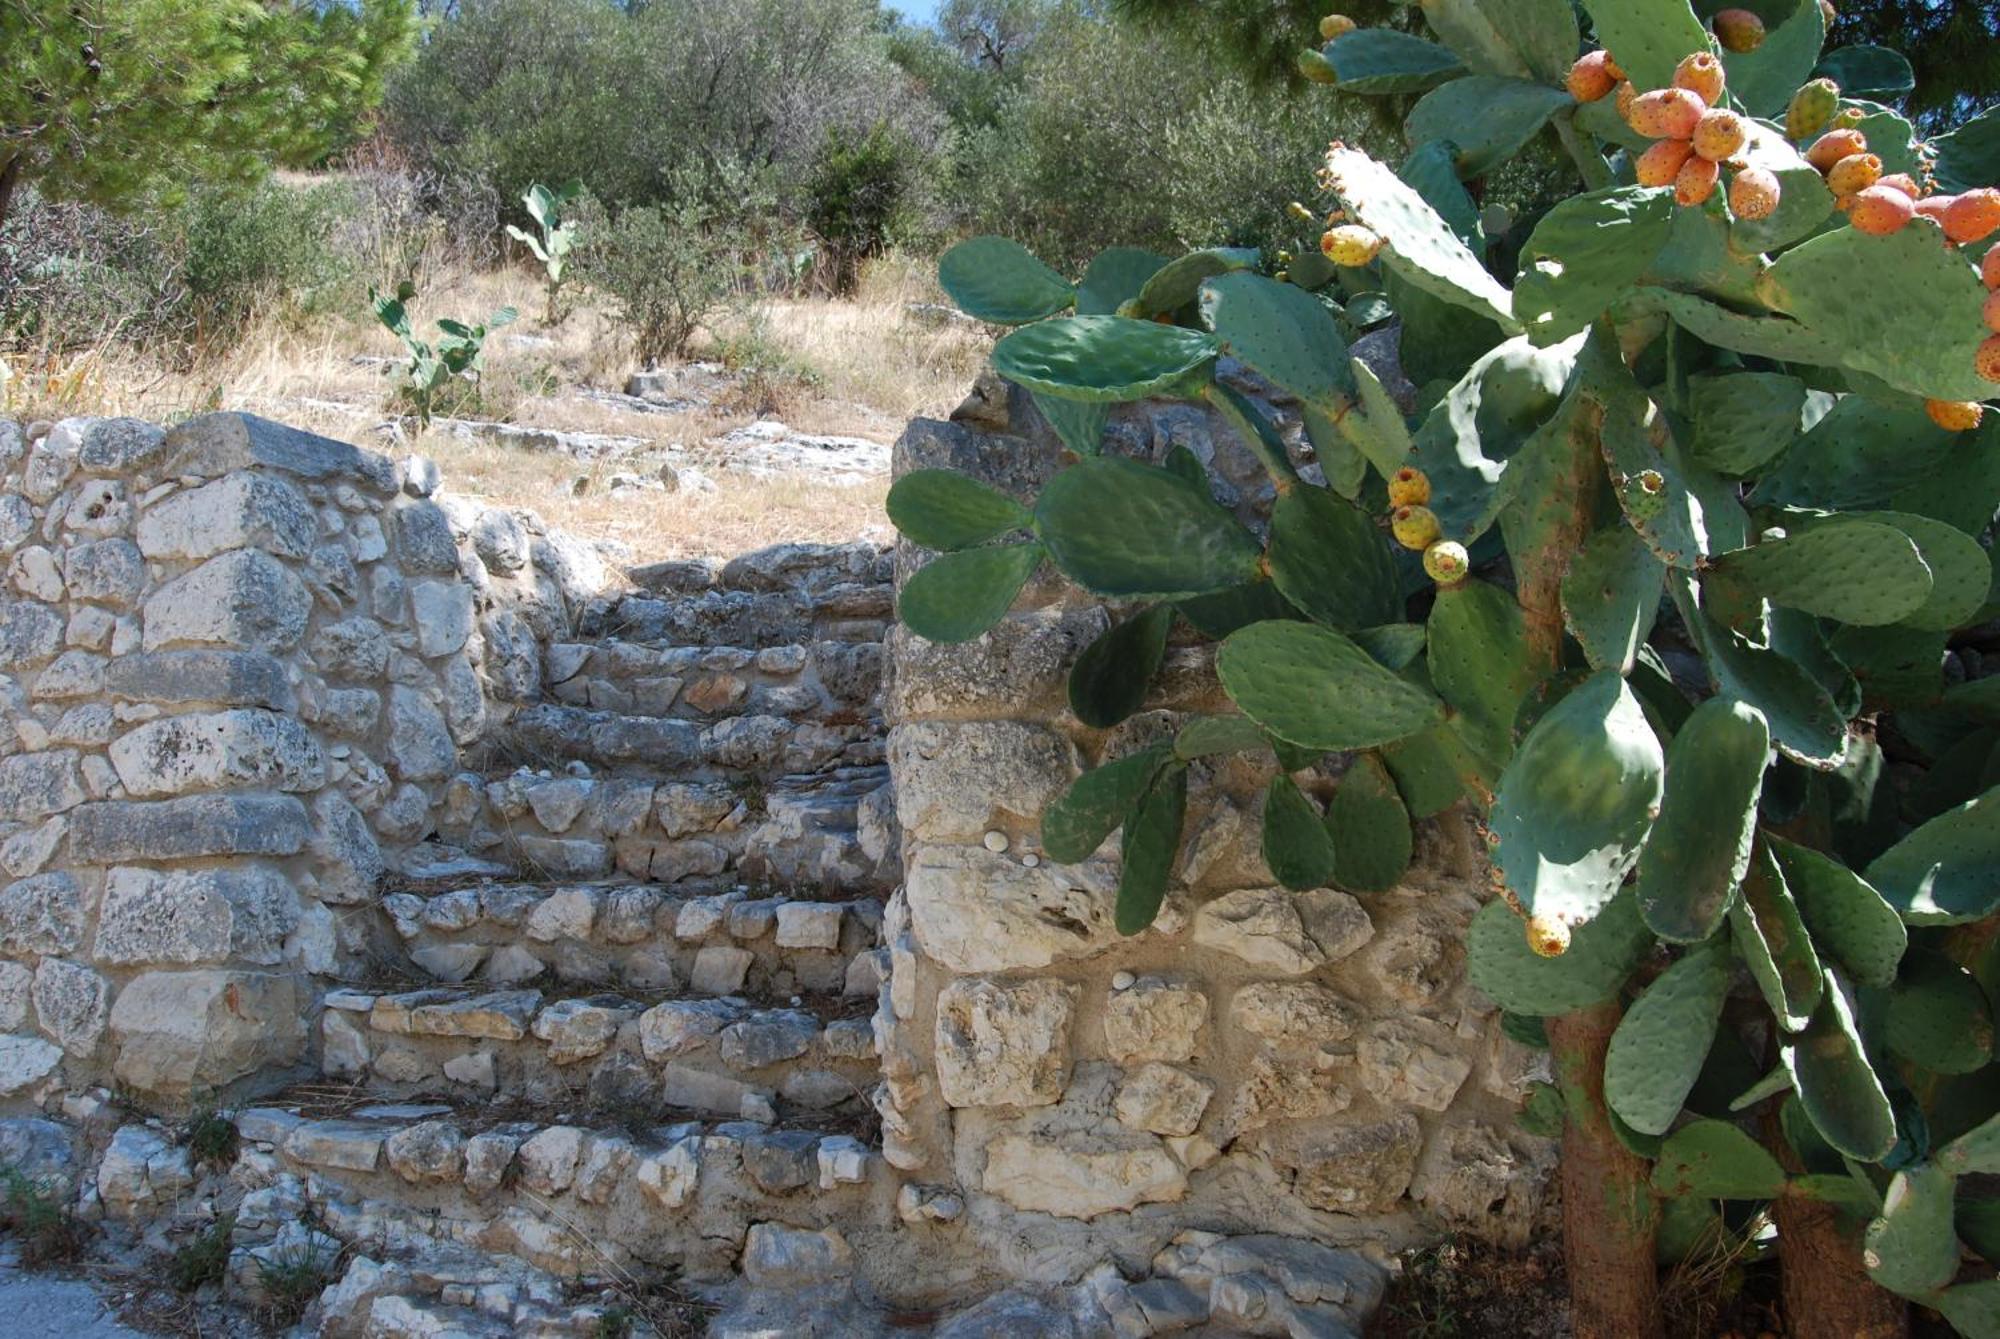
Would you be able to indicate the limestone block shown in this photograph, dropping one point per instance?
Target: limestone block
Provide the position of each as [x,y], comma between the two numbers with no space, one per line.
[424,541]
[549,1159]
[72,1004]
[106,571]
[177,1032]
[501,541]
[1288,933]
[1412,1062]
[243,598]
[187,828]
[557,802]
[346,857]
[753,918]
[443,614]
[16,984]
[1289,1088]
[487,1157]
[1021,769]
[26,1062]
[627,915]
[1004,1044]
[17,521]
[474,1070]
[699,1090]
[767,1037]
[1355,1169]
[41,915]
[344,1051]
[719,969]
[72,675]
[686,808]
[974,910]
[29,633]
[565,857]
[429,1152]
[214,750]
[1163,1099]
[232,678]
[353,648]
[1478,1180]
[214,445]
[238,511]
[777,1256]
[501,1016]
[36,785]
[843,1160]
[680,1026]
[1081,1174]
[123,1182]
[672,1177]
[781,1161]
[809,925]
[602,1167]
[346,1145]
[567,913]
[1019,667]
[1292,1014]
[577,1029]
[35,573]
[420,744]
[27,851]
[1154,1019]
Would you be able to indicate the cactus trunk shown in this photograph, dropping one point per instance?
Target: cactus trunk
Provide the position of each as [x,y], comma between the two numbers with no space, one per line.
[1826,1290]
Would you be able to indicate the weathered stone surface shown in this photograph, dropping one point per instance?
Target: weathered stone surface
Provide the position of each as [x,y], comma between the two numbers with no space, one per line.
[1294,1087]
[1357,1169]
[501,541]
[1289,933]
[565,914]
[420,745]
[424,540]
[1163,1099]
[501,1016]
[181,1031]
[429,1152]
[29,633]
[577,1029]
[680,1026]
[232,678]
[1082,1174]
[26,1062]
[187,828]
[16,983]
[1154,1019]
[549,1159]
[487,1157]
[1479,1180]
[809,925]
[71,1004]
[36,785]
[671,1178]
[977,911]
[1004,1044]
[243,510]
[1018,667]
[109,571]
[1292,1014]
[719,969]
[777,1256]
[353,648]
[243,599]
[216,444]
[194,916]
[349,1146]
[443,614]
[1022,769]
[42,915]
[208,751]
[346,858]
[602,1167]
[1411,1062]
[767,1037]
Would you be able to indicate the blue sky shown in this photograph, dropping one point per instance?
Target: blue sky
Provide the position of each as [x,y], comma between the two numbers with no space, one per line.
[923,11]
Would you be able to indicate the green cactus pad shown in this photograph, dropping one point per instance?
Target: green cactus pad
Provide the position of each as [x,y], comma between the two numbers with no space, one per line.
[1115,276]
[1283,332]
[1744,420]
[1394,645]
[1804,202]
[1648,40]
[1763,81]
[1657,1052]
[1152,840]
[1611,595]
[1422,247]
[1857,572]
[1868,71]
[1332,562]
[1776,337]
[1105,358]
[1948,870]
[1701,516]
[1583,253]
[1911,1249]
[1903,307]
[1375,425]
[1898,667]
[1961,570]
[1098,803]
[1176,284]
[942,509]
[1600,957]
[1079,424]
[1431,768]
[1205,736]
[997,280]
[1713,1159]
[1110,679]
[1642,1146]
[1601,121]
[1216,616]
[1488,117]
[1431,173]
[1542,1114]
[1848,920]
[1972,1308]
[1526,1030]
[1961,486]
[1686,1226]
[1383,60]
[1856,455]
[1700,847]
[1772,941]
[1468,442]
[1480,663]
[1576,801]
[1315,688]
[1938,1017]
[1970,155]
[1977,1219]
[1697,257]
[1131,531]
[1779,1080]
[1369,829]
[1837,1089]
[958,596]
[1498,36]
[1835,1188]
[1297,849]
[1977,1150]
[1804,721]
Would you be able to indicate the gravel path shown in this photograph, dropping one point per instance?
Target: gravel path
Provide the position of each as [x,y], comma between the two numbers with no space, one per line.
[43,1306]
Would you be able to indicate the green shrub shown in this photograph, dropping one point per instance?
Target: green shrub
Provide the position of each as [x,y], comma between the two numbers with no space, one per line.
[204,1258]
[859,195]
[36,1215]
[265,251]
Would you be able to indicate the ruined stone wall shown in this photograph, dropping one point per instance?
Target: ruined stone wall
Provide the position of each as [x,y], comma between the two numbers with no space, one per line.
[1306,1063]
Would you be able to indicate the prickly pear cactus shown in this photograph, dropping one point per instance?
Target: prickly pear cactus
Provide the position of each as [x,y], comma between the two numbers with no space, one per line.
[1665,587]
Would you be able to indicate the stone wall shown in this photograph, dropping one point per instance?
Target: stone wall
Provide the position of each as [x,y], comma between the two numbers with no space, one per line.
[1308,1063]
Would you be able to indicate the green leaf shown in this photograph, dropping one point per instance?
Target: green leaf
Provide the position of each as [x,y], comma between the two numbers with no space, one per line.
[1867,71]
[945,510]
[1376,425]
[1947,871]
[1313,687]
[1152,839]
[1969,156]
[957,596]
[1743,420]
[1369,829]
[1772,941]
[1079,424]
[1115,276]
[1583,253]
[1383,60]
[1283,332]
[1176,284]
[1480,662]
[1648,40]
[1489,118]
[997,280]
[1611,596]
[1297,849]
[1911,1249]
[1839,1189]
[1098,803]
[1422,248]
[1331,561]
[1700,847]
[1109,681]
[1394,645]
[1600,958]
[1855,572]
[1105,358]
[1848,919]
[1837,1089]
[1657,1051]
[1713,1159]
[1127,530]
[1938,1016]
[1577,800]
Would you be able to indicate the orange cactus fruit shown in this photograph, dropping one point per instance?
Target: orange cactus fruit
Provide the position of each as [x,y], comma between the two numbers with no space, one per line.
[1973,216]
[1336,25]
[1933,207]
[1590,79]
[1409,487]
[1626,95]
[1547,936]
[1661,164]
[1901,181]
[1739,30]
[1833,146]
[1350,245]
[1854,174]
[1415,527]
[1666,113]
[1719,135]
[1754,193]
[1955,415]
[1700,74]
[1989,268]
[1696,181]
[1987,361]
[1879,211]
[1991,311]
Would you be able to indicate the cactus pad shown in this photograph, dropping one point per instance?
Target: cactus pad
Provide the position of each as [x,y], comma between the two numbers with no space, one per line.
[1611,595]
[1109,680]
[1467,443]
[1713,1159]
[1127,530]
[1489,118]
[1152,840]
[957,596]
[1583,253]
[1206,736]
[997,280]
[1804,721]
[1283,332]
[1939,1017]
[1837,1089]
[1431,769]
[1369,829]
[1480,663]
[1972,1308]
[1315,688]
[1977,1150]
[1098,803]
[1777,337]
[1648,40]
[1701,515]
[1297,849]
[1763,81]
[1079,424]
[1961,570]
[1804,202]
[1856,455]
[1383,60]
[1105,358]
[1329,559]
[944,510]
[1856,572]
[1700,847]
[1422,247]
[1600,957]
[1657,1052]
[1848,920]
[1114,277]
[1176,284]
[1772,941]
[1948,870]
[1744,420]
[1911,1249]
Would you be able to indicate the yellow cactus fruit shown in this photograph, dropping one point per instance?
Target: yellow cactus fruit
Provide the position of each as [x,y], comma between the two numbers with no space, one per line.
[1987,361]
[1739,30]
[1696,181]
[1446,562]
[1409,487]
[1811,109]
[1590,78]
[1973,216]
[1350,244]
[1701,74]
[1547,936]
[1955,415]
[1848,118]
[1879,211]
[1666,113]
[1336,25]
[1719,136]
[1754,193]
[1415,526]
[1854,174]
[1833,146]
[1661,164]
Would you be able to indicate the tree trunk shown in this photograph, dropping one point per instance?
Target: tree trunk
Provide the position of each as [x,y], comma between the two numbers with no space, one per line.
[10,177]
[1826,1290]
[1609,1213]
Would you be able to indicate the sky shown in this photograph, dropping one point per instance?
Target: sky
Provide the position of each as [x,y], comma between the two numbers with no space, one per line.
[922,11]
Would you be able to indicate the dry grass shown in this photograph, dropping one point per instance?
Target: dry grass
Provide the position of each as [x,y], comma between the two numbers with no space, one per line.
[860,368]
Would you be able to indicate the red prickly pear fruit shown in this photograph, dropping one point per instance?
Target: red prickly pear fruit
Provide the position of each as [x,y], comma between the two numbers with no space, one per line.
[1955,415]
[1854,174]
[1754,193]
[1700,74]
[1696,181]
[1613,68]
[1719,135]
[1350,245]
[1879,211]
[1626,95]
[1446,562]
[1661,164]
[1973,216]
[1904,182]
[1409,487]
[1812,109]
[1336,25]
[1547,936]
[1991,311]
[1989,268]
[1590,78]
[1739,30]
[1415,526]
[1987,361]
[1666,113]
[1833,146]
[1933,207]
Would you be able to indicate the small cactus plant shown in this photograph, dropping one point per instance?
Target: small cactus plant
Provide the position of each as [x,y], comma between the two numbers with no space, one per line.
[551,242]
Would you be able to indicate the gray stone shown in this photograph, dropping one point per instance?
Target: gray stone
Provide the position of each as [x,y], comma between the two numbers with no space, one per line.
[424,540]
[73,674]
[1022,769]
[1154,1019]
[42,915]
[627,915]
[353,648]
[188,828]
[549,1159]
[181,1031]
[781,1161]
[352,712]
[195,916]
[464,700]
[1283,932]
[487,1157]
[577,1029]
[810,925]
[109,571]
[680,1026]
[16,982]
[420,744]
[1354,1169]
[768,1037]
[1163,1099]
[346,858]
[1411,1062]
[26,1062]
[35,785]
[719,969]
[215,444]
[443,614]
[501,541]
[557,803]
[568,913]
[602,1167]
[206,751]
[244,599]
[500,1016]
[72,1004]
[1004,1043]
[238,511]
[977,911]
[29,633]
[348,1146]
[232,678]
[777,1256]
[671,1178]
[429,1152]
[1082,1174]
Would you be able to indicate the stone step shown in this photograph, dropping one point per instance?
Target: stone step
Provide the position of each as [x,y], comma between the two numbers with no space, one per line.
[826,680]
[640,938]
[760,745]
[786,594]
[711,1055]
[832,830]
